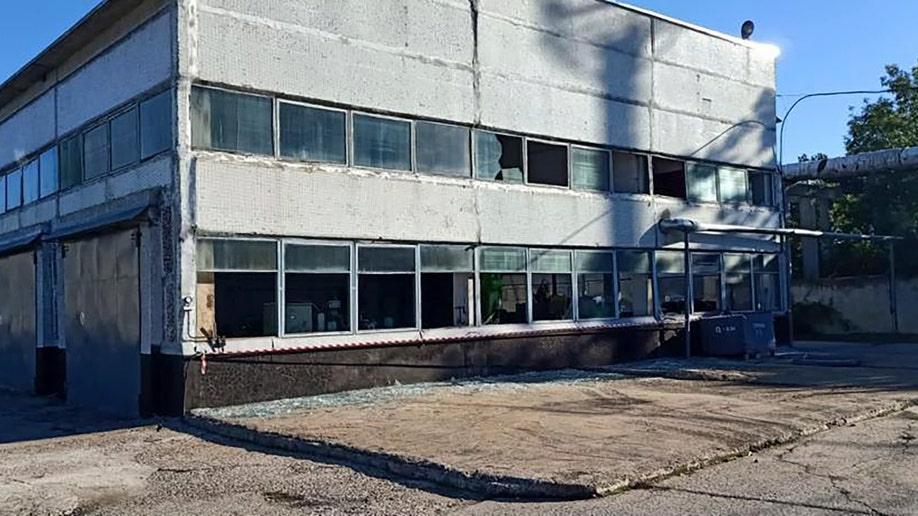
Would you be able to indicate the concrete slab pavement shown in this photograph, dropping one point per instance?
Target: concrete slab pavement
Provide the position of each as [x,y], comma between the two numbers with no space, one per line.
[578,434]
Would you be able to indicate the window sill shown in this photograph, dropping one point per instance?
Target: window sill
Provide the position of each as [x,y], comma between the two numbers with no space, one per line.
[385,338]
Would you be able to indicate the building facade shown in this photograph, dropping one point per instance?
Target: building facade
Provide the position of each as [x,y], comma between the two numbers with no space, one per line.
[220,201]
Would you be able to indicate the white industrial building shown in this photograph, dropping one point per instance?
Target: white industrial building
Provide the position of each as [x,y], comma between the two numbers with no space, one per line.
[218,201]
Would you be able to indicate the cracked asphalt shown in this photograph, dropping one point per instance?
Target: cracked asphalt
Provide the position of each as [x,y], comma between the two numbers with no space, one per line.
[867,468]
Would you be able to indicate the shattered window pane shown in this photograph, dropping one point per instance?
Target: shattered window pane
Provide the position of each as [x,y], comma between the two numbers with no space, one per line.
[498,157]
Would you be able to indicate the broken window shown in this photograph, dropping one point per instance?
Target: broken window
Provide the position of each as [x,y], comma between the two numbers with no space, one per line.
[48,171]
[503,285]
[596,284]
[767,280]
[125,139]
[443,149]
[701,181]
[738,280]
[312,134]
[71,162]
[237,288]
[156,124]
[225,121]
[590,169]
[96,152]
[669,178]
[498,157]
[30,182]
[635,283]
[447,286]
[317,287]
[761,188]
[552,285]
[386,287]
[629,173]
[382,142]
[706,282]
[671,281]
[547,163]
[14,189]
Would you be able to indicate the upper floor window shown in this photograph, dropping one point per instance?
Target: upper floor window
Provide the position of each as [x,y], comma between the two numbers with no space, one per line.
[234,122]
[629,173]
[30,182]
[761,188]
[590,169]
[312,134]
[701,182]
[156,124]
[669,178]
[95,151]
[382,142]
[125,139]
[547,163]
[498,157]
[442,149]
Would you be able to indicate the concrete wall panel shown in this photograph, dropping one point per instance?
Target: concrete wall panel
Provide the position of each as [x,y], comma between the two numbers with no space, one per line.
[709,96]
[548,217]
[367,69]
[140,62]
[330,203]
[530,54]
[538,109]
[685,47]
[27,130]
[295,201]
[587,21]
[743,142]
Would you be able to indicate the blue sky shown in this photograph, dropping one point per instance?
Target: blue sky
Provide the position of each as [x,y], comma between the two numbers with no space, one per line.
[826,45]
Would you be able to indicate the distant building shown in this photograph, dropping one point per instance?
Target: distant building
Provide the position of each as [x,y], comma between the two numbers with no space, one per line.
[211,202]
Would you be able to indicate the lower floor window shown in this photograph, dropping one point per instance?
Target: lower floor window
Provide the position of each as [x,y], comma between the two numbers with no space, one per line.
[635,294]
[448,299]
[707,293]
[597,296]
[386,301]
[244,303]
[739,292]
[316,303]
[551,297]
[672,294]
[503,298]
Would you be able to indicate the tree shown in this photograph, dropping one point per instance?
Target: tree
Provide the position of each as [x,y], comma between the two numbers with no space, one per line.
[880,203]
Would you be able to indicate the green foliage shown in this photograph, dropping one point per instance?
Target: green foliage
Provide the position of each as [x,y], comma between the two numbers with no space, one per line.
[880,203]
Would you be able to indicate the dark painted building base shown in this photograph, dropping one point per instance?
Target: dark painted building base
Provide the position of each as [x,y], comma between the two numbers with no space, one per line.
[51,372]
[237,379]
